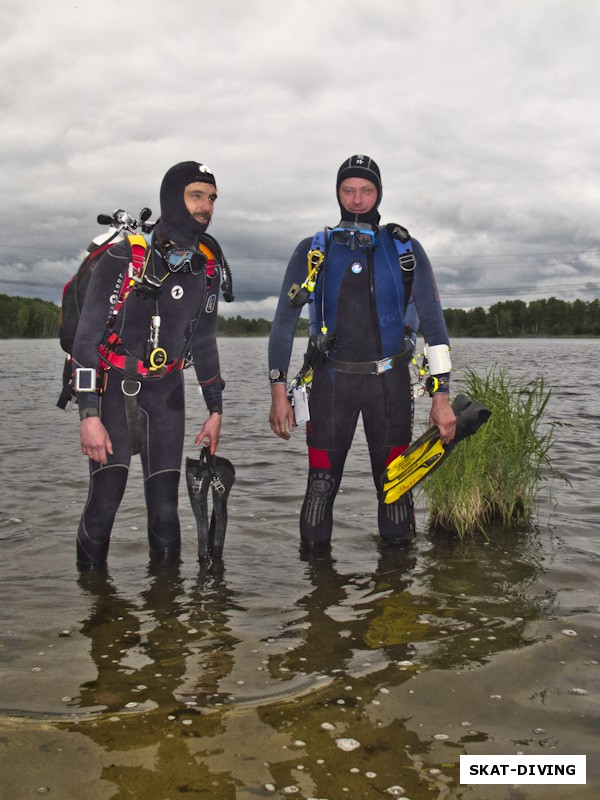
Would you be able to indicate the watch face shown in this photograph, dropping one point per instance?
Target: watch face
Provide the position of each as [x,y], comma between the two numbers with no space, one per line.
[274,374]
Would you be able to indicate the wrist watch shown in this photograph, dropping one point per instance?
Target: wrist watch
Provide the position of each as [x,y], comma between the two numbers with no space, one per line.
[276,375]
[433,384]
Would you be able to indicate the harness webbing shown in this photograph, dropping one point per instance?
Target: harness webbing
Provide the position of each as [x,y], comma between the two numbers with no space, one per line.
[135,273]
[317,259]
[110,357]
[406,257]
[111,349]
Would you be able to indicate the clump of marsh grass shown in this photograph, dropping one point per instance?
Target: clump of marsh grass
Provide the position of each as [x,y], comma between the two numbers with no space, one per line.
[495,475]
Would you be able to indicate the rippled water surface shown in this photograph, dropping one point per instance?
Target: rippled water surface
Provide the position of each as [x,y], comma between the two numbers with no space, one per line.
[360,675]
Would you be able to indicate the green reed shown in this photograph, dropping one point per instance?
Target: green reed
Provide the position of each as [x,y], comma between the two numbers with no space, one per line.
[495,476]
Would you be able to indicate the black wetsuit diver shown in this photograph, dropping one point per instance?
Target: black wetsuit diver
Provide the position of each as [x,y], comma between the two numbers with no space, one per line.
[181,289]
[359,299]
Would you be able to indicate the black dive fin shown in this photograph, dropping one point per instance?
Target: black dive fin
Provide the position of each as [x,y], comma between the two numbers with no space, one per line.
[219,474]
[470,416]
[428,452]
[198,481]
[222,479]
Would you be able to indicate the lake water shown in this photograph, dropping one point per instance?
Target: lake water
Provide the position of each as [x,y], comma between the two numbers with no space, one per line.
[242,681]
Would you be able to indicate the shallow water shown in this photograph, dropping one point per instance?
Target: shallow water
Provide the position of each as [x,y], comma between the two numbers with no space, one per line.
[237,682]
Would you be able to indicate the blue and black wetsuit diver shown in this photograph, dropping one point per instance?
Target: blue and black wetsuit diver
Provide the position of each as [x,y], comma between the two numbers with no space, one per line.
[137,404]
[361,349]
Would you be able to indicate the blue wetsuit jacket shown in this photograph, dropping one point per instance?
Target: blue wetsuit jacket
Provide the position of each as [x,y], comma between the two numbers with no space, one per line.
[363,302]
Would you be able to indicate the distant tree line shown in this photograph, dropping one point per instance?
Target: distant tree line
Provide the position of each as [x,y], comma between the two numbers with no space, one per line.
[241,326]
[513,318]
[29,318]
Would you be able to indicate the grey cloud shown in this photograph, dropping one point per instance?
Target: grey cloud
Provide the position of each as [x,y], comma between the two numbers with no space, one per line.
[482,117]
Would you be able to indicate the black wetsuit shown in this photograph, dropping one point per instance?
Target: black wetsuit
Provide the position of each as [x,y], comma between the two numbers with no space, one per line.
[363,306]
[187,305]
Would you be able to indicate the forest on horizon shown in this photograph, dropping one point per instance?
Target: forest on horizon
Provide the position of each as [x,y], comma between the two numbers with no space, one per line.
[31,318]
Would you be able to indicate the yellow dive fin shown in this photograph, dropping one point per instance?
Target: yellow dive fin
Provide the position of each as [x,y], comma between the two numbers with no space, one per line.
[427,452]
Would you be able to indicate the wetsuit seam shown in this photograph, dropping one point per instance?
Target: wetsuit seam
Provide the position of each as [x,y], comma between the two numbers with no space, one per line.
[162,472]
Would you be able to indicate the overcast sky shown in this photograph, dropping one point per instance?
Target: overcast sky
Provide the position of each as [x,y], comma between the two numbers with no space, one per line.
[484,118]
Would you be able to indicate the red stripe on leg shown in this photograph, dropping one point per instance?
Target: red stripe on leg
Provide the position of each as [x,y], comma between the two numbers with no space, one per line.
[395,452]
[318,459]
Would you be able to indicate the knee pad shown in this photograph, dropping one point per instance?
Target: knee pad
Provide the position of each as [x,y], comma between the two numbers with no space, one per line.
[316,518]
[319,494]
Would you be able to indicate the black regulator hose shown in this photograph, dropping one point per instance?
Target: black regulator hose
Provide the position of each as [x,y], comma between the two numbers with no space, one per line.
[227,284]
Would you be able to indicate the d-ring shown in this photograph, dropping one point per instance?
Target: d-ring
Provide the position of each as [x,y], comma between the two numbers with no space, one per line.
[127,386]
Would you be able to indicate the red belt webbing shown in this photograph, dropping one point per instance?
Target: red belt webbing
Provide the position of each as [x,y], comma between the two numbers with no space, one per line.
[141,369]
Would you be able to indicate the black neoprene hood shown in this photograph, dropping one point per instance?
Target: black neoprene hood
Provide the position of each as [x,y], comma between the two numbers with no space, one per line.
[176,222]
[360,166]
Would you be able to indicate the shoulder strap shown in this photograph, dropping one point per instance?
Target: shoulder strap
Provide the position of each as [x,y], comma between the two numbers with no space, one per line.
[318,241]
[137,246]
[406,257]
[135,272]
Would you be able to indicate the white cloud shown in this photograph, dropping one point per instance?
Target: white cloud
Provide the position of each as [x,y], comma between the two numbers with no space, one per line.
[483,118]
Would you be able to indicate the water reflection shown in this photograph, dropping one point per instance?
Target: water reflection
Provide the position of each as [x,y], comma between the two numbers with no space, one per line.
[336,615]
[452,603]
[485,594]
[159,666]
[371,633]
[350,639]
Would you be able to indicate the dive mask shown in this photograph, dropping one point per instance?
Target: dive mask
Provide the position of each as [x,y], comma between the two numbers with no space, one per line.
[184,259]
[354,234]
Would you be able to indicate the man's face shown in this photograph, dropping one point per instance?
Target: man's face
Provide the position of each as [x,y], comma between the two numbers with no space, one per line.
[199,199]
[357,195]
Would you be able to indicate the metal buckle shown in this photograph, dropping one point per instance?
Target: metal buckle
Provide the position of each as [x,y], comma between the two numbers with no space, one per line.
[407,262]
[133,273]
[383,365]
[217,484]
